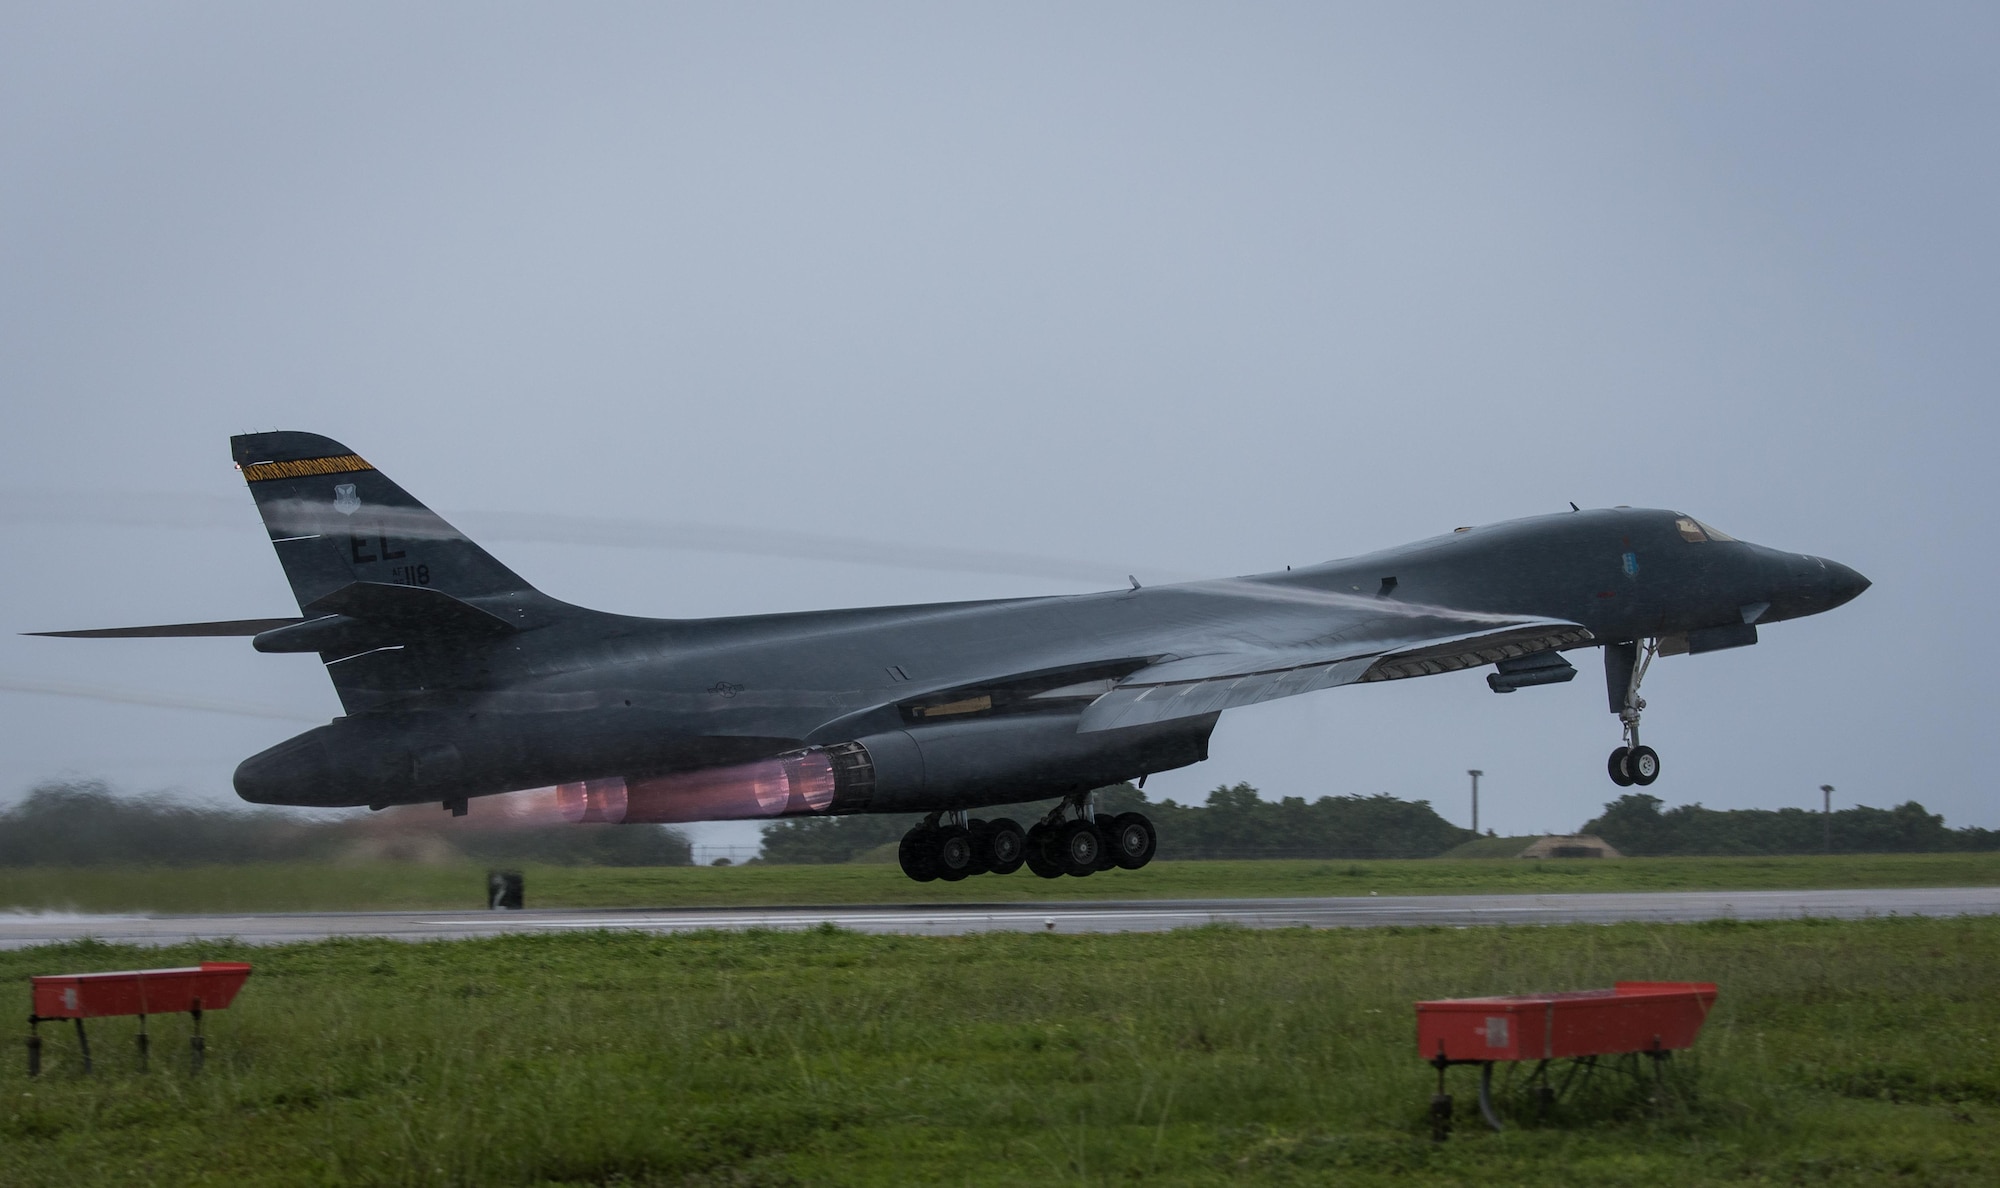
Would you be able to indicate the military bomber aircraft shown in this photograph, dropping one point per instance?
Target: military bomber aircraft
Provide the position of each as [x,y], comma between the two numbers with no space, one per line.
[460,680]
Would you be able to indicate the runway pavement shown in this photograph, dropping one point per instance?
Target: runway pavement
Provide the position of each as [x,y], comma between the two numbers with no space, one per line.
[20,929]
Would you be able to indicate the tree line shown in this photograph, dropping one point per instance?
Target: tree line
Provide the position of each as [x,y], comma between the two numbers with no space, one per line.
[1636,824]
[1235,822]
[84,823]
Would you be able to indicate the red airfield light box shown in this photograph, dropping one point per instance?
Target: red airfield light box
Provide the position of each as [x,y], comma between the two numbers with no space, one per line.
[210,986]
[1631,1019]
[189,989]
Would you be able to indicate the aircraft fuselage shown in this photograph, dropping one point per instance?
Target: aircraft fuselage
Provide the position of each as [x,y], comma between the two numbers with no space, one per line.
[576,695]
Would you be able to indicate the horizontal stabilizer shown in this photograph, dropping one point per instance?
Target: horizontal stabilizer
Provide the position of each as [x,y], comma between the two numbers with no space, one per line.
[366,615]
[409,606]
[177,630]
[1184,688]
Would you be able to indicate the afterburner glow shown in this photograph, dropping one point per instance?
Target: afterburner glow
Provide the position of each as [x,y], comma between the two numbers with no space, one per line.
[790,785]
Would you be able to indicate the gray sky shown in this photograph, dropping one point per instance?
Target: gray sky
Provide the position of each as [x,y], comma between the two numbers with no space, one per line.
[1165,289]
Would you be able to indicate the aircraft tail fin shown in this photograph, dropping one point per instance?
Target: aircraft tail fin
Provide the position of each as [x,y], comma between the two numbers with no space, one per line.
[399,602]
[336,520]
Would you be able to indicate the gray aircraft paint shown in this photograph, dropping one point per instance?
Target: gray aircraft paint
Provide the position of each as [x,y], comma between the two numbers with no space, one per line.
[461,680]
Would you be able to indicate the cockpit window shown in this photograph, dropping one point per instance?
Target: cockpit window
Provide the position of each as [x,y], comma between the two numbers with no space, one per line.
[1695,531]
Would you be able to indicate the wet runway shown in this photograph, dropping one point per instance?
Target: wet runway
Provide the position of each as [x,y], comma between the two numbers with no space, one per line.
[18,929]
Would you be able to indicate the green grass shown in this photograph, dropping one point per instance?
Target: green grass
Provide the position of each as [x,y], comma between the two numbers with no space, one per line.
[1839,1053]
[279,887]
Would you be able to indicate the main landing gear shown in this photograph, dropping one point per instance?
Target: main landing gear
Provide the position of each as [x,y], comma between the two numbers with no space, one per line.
[1625,666]
[1074,839]
[948,846]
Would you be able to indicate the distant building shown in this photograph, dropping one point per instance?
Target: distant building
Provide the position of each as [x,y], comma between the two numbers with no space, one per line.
[1577,845]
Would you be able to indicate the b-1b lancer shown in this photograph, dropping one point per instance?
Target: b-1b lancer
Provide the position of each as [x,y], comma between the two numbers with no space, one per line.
[460,680]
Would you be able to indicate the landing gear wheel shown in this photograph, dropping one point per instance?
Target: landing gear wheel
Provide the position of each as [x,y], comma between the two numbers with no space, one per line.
[1625,666]
[1133,842]
[1643,765]
[1079,846]
[1039,855]
[1004,847]
[976,830]
[951,854]
[914,855]
[1107,858]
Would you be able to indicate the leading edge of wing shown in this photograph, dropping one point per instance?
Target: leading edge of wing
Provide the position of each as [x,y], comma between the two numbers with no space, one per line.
[1195,685]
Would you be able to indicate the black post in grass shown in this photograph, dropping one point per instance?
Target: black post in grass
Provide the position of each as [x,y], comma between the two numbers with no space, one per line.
[505,890]
[1440,1101]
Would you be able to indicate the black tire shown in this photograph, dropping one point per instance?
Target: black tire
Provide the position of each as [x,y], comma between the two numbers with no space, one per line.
[1079,846]
[1039,854]
[977,829]
[1643,765]
[1004,847]
[1133,840]
[952,855]
[913,854]
[1616,766]
[1108,859]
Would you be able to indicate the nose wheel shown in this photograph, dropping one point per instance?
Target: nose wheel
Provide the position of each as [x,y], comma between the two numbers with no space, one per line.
[1625,666]
[1634,765]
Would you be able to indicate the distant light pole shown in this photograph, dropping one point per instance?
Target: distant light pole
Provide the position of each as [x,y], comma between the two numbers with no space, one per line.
[1475,797]
[1826,816]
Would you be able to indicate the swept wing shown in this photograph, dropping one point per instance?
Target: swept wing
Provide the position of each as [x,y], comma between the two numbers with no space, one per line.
[1373,650]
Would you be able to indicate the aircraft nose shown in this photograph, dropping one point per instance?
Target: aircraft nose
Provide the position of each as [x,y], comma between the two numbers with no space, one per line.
[1801,584]
[1843,584]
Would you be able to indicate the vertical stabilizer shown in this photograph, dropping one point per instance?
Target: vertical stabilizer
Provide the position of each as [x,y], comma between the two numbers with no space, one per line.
[344,532]
[336,520]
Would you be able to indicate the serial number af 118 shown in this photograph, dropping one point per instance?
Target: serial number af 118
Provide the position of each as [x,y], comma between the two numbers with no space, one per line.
[460,680]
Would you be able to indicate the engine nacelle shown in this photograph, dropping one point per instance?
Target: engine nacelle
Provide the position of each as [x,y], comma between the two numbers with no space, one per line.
[1010,758]
[954,765]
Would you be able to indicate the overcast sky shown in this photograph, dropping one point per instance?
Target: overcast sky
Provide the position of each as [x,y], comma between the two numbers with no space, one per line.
[1157,289]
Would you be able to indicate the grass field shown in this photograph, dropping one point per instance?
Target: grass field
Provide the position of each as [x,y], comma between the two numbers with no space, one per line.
[305,887]
[1839,1053]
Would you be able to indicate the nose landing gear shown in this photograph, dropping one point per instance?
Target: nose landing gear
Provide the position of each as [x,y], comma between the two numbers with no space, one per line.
[1625,666]
[1634,765]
